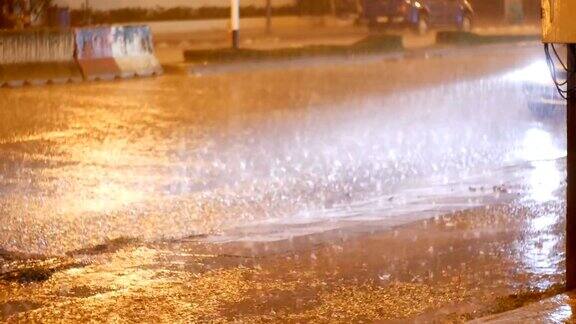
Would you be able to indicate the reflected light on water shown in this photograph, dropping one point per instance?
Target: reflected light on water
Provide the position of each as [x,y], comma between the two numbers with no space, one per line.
[561,314]
[109,174]
[540,252]
[544,222]
[545,179]
[104,197]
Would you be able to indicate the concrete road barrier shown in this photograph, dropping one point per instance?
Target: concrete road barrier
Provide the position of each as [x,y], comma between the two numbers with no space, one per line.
[133,51]
[94,53]
[37,57]
[116,52]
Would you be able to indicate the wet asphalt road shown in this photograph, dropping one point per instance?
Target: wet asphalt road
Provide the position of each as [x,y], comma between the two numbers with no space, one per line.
[258,157]
[271,153]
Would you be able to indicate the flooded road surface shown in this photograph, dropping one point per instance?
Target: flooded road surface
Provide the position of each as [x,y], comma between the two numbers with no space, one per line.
[451,268]
[209,154]
[284,192]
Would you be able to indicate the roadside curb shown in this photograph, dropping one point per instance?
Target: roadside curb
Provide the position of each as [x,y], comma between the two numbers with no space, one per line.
[466,38]
[387,55]
[369,45]
[446,42]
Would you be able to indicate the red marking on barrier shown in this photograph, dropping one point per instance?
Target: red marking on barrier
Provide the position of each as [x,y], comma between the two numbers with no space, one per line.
[94,53]
[99,69]
[40,57]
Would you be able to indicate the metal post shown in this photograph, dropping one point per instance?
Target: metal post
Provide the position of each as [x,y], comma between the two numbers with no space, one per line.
[235,23]
[88,13]
[268,16]
[333,7]
[571,168]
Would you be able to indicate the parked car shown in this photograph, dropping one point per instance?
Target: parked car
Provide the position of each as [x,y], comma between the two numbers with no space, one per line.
[420,15]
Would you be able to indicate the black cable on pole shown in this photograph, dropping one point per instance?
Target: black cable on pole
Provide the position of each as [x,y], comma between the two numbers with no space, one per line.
[552,69]
[551,61]
[552,66]
[559,59]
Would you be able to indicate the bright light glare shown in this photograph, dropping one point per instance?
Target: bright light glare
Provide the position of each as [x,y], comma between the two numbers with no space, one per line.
[539,145]
[537,72]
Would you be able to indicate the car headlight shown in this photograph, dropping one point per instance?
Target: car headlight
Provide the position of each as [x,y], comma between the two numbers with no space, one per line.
[537,72]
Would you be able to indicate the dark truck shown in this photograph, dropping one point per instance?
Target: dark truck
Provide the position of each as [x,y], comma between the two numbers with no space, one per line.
[420,15]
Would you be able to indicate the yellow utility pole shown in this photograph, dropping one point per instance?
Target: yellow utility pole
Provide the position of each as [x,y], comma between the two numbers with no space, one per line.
[559,26]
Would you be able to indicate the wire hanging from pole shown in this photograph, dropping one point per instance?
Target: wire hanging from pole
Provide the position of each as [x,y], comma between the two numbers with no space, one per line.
[552,66]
